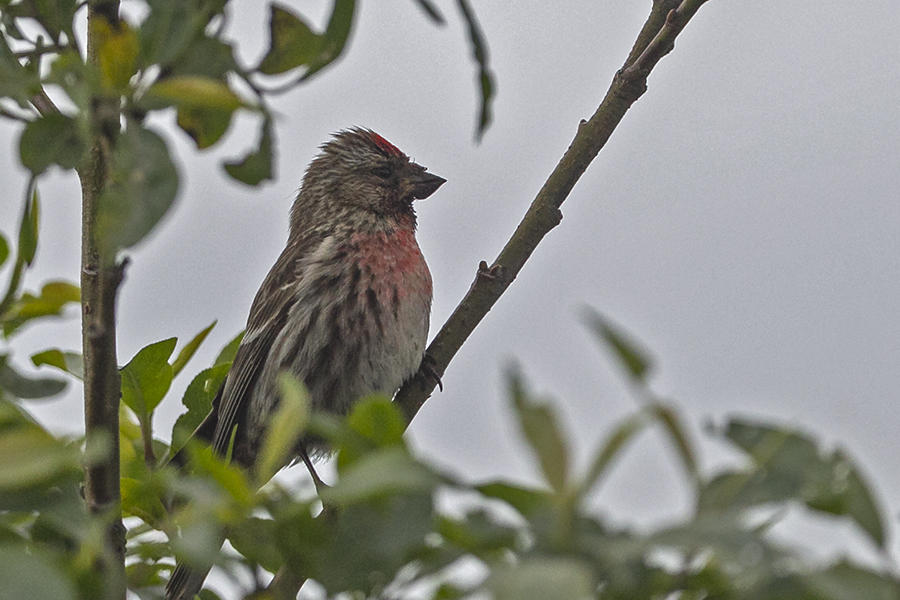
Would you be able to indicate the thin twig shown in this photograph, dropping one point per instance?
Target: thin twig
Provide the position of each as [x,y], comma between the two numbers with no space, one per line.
[44,105]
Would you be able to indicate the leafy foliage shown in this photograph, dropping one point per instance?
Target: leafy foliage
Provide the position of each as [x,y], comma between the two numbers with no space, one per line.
[382,531]
[175,56]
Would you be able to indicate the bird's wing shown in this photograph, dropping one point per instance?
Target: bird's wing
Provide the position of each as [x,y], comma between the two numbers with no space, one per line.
[268,316]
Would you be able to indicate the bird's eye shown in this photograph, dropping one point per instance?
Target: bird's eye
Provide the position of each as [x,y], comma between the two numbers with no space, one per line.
[383,172]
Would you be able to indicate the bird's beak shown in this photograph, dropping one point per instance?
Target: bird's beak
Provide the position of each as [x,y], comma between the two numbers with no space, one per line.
[425,184]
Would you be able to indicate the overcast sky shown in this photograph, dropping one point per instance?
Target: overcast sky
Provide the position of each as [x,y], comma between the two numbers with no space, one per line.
[743,222]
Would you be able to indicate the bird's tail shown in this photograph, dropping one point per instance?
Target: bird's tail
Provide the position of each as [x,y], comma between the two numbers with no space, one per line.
[186,582]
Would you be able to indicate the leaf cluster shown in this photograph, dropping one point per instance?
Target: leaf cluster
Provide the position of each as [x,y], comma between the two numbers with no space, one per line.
[19,308]
[174,56]
[383,530]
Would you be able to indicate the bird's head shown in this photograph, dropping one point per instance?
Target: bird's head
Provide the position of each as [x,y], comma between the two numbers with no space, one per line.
[360,172]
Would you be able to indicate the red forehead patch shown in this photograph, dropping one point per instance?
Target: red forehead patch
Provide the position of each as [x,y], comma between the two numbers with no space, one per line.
[385,146]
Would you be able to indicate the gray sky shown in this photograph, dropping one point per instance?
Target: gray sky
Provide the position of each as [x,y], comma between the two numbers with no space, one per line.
[742,221]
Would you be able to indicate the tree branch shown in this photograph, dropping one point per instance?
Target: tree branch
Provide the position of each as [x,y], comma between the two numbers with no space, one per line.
[656,39]
[100,280]
[44,105]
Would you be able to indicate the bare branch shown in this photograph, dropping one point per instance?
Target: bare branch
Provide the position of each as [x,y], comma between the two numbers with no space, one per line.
[44,105]
[100,280]
[655,40]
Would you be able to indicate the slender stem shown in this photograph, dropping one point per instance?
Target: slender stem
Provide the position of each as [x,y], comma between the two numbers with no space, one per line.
[42,102]
[100,279]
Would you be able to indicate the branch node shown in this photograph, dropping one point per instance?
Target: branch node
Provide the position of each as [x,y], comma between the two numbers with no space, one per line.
[672,17]
[119,272]
[493,273]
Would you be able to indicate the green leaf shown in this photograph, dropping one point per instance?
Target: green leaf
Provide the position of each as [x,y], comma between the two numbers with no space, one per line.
[141,498]
[373,423]
[379,420]
[205,105]
[16,81]
[145,574]
[204,126]
[226,356]
[385,472]
[478,534]
[32,574]
[231,478]
[622,434]
[192,91]
[677,432]
[142,187]
[4,249]
[728,534]
[844,492]
[257,166]
[291,42]
[635,360]
[335,37]
[485,76]
[527,501]
[189,349]
[541,429]
[253,539]
[203,388]
[147,377]
[625,432]
[24,387]
[70,362]
[365,545]
[789,465]
[31,457]
[206,57]
[285,428]
[53,139]
[540,578]
[28,230]
[169,29]
[54,297]
[117,48]
[198,399]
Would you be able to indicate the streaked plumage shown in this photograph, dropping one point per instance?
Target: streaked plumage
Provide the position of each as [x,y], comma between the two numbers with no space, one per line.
[345,308]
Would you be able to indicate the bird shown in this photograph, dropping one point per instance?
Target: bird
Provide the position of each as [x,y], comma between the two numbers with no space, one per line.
[345,308]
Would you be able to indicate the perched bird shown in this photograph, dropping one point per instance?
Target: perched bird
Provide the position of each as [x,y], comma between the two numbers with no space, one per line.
[345,308]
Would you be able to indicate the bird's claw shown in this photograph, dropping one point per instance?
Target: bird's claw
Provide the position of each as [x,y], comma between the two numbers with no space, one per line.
[428,368]
[490,273]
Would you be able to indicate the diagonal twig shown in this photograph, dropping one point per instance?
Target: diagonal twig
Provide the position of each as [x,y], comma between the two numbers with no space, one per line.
[657,38]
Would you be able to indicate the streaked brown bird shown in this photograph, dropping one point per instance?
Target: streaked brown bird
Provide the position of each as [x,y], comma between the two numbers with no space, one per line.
[345,308]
